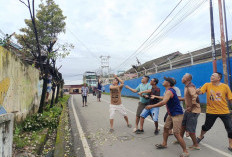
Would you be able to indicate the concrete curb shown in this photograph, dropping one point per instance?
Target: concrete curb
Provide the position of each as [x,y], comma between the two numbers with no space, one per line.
[60,136]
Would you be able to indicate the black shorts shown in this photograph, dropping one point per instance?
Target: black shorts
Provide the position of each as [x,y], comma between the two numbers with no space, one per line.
[98,94]
[84,98]
[190,121]
[211,118]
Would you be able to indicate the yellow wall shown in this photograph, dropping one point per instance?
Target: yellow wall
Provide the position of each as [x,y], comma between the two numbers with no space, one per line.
[20,88]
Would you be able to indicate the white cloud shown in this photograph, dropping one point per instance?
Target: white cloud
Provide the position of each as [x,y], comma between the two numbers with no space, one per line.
[117,28]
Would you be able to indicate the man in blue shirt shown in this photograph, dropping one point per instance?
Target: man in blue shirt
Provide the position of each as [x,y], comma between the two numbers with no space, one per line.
[175,115]
[143,86]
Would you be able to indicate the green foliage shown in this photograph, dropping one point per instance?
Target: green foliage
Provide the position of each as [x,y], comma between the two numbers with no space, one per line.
[33,140]
[50,22]
[63,100]
[48,119]
[3,42]
[38,121]
[33,130]
[20,143]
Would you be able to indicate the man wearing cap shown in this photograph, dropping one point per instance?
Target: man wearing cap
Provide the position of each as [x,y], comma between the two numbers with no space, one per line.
[144,85]
[175,115]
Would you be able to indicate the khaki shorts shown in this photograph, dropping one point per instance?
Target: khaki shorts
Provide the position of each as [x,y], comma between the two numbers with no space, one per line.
[140,108]
[174,122]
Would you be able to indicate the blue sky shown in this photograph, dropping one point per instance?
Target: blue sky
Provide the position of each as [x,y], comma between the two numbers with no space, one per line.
[118,27]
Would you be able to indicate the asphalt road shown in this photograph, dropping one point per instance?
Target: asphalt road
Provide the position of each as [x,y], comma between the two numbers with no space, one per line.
[92,137]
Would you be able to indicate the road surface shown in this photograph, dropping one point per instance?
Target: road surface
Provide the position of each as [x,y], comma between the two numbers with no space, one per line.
[90,127]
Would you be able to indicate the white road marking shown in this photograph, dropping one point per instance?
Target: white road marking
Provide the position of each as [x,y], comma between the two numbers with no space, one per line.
[82,135]
[204,144]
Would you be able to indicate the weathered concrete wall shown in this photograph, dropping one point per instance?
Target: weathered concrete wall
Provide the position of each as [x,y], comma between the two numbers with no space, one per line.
[6,134]
[20,88]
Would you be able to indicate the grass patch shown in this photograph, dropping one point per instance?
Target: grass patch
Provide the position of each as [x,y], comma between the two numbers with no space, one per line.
[32,133]
[106,93]
[63,140]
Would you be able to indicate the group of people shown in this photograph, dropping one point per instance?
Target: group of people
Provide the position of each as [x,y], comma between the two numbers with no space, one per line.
[85,92]
[177,119]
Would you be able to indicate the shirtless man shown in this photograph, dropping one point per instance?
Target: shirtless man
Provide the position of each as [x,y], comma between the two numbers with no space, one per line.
[116,102]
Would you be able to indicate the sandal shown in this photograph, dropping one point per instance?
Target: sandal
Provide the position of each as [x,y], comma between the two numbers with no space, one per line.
[129,125]
[194,148]
[111,130]
[139,131]
[230,149]
[175,142]
[160,146]
[184,154]
[156,132]
[199,140]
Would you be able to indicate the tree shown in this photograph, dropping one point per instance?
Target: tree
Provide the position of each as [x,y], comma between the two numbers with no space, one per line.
[39,39]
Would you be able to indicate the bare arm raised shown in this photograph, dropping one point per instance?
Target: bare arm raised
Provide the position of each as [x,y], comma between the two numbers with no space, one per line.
[146,91]
[120,80]
[131,89]
[166,97]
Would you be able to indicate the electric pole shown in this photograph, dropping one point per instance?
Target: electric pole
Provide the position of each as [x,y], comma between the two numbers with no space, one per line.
[105,64]
[212,37]
[227,46]
[223,44]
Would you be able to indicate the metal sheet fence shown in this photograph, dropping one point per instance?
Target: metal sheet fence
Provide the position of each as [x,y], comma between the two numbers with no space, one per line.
[201,74]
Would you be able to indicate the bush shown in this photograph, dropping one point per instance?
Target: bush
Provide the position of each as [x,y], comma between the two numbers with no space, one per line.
[20,143]
[38,121]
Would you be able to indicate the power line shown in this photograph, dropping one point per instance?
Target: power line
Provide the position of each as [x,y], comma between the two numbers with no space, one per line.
[179,20]
[152,32]
[164,34]
[84,45]
[173,27]
[161,30]
[156,36]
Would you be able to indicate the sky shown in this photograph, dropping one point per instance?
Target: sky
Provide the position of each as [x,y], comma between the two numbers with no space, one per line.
[117,28]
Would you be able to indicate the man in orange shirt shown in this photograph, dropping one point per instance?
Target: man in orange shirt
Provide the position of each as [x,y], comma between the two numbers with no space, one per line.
[217,95]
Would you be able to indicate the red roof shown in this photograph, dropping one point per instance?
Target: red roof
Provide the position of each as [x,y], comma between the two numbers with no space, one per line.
[73,86]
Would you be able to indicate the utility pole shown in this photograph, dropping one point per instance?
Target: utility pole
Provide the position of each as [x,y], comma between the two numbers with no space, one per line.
[212,37]
[105,64]
[227,45]
[223,44]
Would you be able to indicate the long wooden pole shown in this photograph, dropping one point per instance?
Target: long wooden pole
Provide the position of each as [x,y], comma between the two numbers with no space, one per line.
[223,44]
